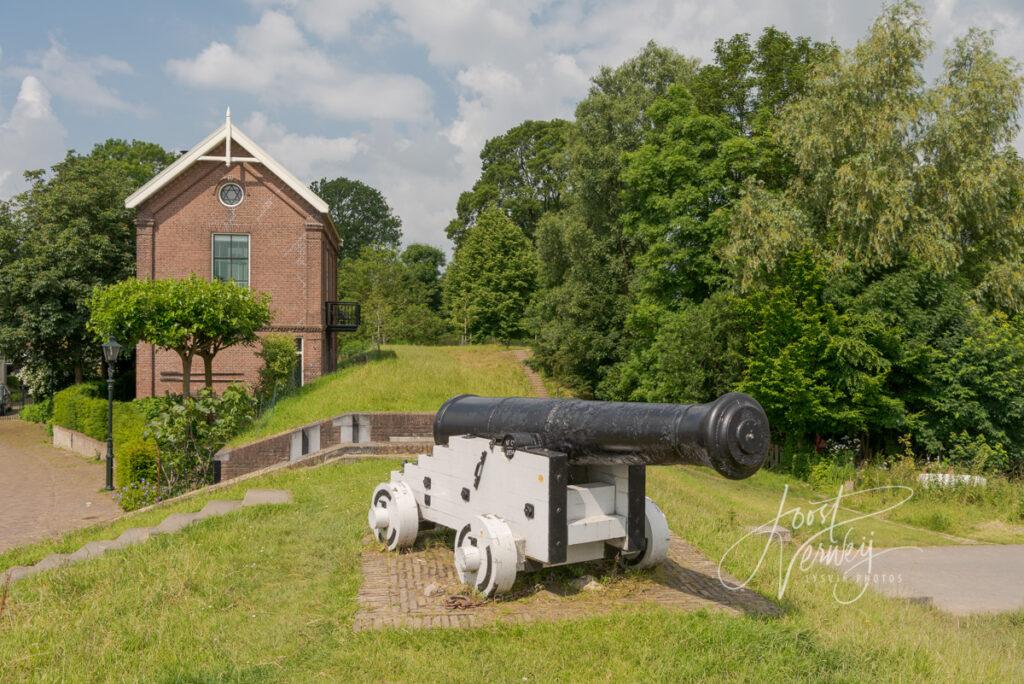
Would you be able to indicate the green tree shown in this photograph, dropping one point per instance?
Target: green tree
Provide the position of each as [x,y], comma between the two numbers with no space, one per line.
[489,283]
[66,234]
[395,302]
[890,171]
[523,173]
[361,214]
[426,263]
[750,84]
[277,375]
[192,317]
[586,261]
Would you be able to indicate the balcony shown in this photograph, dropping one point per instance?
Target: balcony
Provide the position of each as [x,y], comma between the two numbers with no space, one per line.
[342,316]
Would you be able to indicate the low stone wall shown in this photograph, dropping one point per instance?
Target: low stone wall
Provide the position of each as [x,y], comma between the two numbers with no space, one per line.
[397,433]
[78,442]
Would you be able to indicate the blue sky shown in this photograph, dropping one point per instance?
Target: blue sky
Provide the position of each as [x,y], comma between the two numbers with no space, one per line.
[399,94]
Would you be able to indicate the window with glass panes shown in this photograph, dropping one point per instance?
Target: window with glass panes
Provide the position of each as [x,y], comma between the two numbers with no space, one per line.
[231,258]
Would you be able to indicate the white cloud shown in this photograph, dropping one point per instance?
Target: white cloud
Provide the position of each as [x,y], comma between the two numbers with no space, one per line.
[328,19]
[307,156]
[273,60]
[31,137]
[78,79]
[504,62]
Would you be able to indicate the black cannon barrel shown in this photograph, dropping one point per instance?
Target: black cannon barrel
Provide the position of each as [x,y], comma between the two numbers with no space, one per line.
[729,434]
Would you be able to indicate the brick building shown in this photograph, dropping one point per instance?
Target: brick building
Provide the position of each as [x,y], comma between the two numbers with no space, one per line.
[225,209]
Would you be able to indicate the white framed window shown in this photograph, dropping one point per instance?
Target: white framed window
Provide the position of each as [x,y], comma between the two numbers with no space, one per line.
[231,194]
[231,257]
[299,377]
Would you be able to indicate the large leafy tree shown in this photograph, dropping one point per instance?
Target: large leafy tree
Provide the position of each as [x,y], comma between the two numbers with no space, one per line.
[361,214]
[426,263]
[66,234]
[586,258]
[906,196]
[191,316]
[750,84]
[523,173]
[890,171]
[490,280]
[395,299]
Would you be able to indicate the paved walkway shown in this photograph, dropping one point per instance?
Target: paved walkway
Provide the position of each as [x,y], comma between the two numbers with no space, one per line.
[45,491]
[957,579]
[394,591]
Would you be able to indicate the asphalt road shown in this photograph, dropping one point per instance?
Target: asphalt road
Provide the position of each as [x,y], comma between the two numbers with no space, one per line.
[962,580]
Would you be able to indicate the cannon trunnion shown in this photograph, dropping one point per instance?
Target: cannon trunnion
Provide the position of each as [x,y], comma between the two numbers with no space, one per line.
[530,483]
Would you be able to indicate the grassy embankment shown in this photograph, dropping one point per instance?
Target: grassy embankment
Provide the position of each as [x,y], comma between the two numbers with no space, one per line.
[269,594]
[413,379]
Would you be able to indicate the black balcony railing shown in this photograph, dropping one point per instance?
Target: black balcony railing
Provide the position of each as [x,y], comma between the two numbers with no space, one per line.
[342,316]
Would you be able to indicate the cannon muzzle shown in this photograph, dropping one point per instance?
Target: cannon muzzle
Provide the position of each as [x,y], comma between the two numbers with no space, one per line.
[729,434]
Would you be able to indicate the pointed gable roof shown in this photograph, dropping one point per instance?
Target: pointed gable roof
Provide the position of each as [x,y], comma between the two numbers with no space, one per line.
[225,134]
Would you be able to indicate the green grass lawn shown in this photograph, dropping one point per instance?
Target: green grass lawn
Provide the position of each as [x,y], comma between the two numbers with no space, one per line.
[268,594]
[413,379]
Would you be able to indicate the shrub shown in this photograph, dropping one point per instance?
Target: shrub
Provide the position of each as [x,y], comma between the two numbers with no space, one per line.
[135,495]
[136,462]
[279,360]
[39,412]
[92,417]
[190,430]
[66,404]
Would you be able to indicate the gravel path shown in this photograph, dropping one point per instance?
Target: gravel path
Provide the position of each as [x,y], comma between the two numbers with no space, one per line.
[45,491]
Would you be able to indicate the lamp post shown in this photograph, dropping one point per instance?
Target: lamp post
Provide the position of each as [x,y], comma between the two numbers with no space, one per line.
[111,350]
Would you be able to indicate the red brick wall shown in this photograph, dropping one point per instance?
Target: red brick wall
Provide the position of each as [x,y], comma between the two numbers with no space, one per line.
[266,452]
[292,256]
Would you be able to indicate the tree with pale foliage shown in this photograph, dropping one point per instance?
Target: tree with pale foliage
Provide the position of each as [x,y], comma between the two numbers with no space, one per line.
[892,171]
[191,317]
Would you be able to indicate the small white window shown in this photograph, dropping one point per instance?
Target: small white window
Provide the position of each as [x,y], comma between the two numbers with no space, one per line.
[298,377]
[231,194]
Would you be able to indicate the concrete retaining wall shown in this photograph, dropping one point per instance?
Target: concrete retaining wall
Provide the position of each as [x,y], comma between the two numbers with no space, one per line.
[77,442]
[398,433]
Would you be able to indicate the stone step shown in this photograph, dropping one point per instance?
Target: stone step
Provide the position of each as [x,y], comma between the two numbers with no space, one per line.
[54,560]
[136,535]
[218,507]
[91,550]
[175,522]
[261,497]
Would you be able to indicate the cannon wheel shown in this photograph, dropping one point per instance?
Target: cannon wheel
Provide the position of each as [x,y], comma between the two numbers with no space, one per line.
[486,556]
[394,517]
[656,534]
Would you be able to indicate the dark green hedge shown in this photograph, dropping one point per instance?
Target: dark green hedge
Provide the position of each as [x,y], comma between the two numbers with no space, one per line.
[83,408]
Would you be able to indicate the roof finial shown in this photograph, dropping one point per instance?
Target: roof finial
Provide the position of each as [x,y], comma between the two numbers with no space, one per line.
[227,138]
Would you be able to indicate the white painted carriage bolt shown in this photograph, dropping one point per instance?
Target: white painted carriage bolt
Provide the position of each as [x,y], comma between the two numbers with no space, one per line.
[467,558]
[380,518]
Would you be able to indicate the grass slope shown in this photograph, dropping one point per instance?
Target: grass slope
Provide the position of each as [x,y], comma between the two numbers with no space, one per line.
[413,379]
[268,594]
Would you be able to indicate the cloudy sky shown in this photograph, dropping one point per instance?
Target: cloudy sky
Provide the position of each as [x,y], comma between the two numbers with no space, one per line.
[400,94]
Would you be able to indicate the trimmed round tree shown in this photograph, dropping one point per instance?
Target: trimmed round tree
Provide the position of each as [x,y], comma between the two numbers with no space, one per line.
[191,316]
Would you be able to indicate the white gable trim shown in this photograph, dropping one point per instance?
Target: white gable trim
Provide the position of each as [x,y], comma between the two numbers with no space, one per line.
[191,157]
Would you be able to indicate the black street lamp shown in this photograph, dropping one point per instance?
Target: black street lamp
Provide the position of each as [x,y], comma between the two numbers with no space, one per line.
[111,350]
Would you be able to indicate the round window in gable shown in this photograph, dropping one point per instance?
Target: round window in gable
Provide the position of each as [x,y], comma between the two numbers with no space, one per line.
[231,194]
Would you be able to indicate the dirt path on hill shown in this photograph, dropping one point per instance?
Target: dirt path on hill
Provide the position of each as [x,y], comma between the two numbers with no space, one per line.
[537,387]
